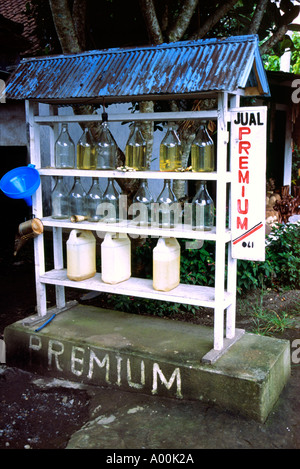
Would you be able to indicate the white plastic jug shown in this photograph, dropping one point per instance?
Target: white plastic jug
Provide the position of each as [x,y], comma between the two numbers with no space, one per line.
[81,255]
[115,258]
[166,264]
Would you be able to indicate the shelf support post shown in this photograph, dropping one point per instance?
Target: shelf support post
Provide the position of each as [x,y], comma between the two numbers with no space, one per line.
[37,207]
[222,141]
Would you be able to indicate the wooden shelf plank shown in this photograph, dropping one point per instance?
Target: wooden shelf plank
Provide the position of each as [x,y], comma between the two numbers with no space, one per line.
[186,294]
[129,117]
[118,174]
[127,226]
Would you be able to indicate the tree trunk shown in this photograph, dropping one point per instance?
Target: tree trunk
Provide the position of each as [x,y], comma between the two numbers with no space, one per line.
[147,128]
[183,20]
[258,16]
[64,26]
[213,19]
[286,19]
[151,21]
[79,19]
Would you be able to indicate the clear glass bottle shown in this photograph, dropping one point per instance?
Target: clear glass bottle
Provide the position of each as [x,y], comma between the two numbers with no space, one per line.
[77,198]
[143,197]
[93,200]
[202,209]
[170,153]
[135,150]
[64,149]
[203,151]
[110,203]
[86,158]
[59,200]
[106,147]
[166,206]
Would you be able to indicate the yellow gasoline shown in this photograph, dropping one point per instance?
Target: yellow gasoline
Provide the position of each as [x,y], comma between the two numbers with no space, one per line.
[135,157]
[170,158]
[86,157]
[202,158]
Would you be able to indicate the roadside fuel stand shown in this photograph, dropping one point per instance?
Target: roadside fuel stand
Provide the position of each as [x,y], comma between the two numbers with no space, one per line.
[222,69]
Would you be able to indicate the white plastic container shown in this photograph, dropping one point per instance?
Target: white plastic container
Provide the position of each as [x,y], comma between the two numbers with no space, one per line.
[115,258]
[81,255]
[166,264]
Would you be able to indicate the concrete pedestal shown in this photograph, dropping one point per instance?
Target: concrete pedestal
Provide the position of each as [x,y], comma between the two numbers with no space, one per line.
[152,356]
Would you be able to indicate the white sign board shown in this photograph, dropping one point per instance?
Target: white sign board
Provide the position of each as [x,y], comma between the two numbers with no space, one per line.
[248,200]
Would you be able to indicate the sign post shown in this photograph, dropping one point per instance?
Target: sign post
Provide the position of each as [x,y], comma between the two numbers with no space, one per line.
[248,201]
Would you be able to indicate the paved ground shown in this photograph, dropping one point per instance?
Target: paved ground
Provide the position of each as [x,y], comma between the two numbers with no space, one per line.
[44,413]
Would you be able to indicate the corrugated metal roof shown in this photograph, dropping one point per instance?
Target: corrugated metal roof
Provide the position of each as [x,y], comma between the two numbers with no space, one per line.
[187,67]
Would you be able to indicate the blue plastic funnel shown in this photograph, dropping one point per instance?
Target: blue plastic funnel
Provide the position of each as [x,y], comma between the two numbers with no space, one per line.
[21,183]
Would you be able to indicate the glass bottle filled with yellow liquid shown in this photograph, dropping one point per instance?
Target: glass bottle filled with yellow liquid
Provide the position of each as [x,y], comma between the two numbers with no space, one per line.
[135,150]
[170,153]
[203,151]
[86,155]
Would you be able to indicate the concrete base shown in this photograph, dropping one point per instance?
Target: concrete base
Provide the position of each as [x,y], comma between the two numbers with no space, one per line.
[152,356]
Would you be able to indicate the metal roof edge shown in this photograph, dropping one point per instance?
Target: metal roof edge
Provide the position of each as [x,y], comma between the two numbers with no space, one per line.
[262,73]
[203,65]
[165,45]
[262,76]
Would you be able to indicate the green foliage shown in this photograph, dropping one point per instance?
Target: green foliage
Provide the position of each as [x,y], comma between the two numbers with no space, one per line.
[272,61]
[197,266]
[281,266]
[135,305]
[296,53]
[268,322]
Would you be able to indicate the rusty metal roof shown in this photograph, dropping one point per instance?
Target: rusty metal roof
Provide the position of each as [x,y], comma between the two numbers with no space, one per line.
[126,74]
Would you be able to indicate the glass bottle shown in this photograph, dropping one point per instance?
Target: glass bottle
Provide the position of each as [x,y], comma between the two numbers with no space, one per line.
[144,198]
[167,206]
[202,209]
[106,147]
[86,158]
[77,198]
[64,149]
[203,151]
[93,200]
[170,153]
[110,203]
[135,150]
[59,200]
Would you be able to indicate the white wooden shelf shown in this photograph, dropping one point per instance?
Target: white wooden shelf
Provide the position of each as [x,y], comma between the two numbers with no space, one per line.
[127,226]
[128,117]
[183,293]
[221,297]
[118,174]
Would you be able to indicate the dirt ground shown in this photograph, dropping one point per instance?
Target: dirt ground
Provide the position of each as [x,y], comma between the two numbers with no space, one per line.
[39,417]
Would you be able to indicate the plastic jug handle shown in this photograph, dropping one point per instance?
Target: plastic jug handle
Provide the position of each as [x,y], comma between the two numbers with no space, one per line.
[74,234]
[161,242]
